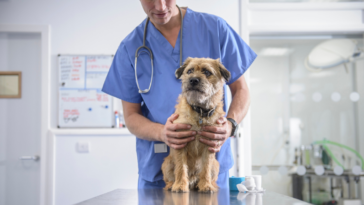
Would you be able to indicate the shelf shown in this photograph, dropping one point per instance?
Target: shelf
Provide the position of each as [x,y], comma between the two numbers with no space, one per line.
[92,131]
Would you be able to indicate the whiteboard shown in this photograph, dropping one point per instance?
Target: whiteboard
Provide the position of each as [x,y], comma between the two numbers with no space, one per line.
[81,103]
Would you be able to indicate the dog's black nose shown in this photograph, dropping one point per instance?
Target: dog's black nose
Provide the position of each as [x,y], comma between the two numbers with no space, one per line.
[194,81]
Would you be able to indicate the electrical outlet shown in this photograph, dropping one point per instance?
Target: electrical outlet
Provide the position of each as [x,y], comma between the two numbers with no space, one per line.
[83,147]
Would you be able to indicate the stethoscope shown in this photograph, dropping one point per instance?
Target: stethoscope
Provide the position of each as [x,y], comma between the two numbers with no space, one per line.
[151,54]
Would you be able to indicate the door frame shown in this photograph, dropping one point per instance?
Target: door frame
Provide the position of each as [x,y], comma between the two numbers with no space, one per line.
[46,152]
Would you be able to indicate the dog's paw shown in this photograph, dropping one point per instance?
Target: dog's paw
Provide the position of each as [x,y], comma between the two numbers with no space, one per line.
[208,188]
[180,188]
[168,186]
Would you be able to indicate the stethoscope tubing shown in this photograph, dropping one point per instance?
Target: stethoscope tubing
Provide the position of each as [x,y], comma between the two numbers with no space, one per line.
[151,53]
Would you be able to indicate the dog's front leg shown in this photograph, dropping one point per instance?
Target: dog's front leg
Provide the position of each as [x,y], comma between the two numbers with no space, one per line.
[180,172]
[168,174]
[205,183]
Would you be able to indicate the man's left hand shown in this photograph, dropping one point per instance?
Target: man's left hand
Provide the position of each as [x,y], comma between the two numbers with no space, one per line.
[215,137]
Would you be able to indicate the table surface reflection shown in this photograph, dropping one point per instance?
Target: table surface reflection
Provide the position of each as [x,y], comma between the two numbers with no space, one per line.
[159,196]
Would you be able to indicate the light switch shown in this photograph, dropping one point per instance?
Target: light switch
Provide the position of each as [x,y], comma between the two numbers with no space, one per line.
[83,147]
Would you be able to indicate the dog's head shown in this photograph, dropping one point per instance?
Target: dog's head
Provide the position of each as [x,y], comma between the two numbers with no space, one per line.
[201,79]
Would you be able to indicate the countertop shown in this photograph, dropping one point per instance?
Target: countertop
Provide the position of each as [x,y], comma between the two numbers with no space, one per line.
[159,196]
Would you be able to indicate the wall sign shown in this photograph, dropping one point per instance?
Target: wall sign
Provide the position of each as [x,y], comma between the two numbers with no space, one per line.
[10,84]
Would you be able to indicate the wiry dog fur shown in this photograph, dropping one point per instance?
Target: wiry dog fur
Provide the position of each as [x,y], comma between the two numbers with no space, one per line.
[195,166]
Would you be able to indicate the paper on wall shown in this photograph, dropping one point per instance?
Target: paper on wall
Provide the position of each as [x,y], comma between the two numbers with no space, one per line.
[72,72]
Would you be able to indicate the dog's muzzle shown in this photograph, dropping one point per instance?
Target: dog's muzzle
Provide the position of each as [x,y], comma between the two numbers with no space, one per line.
[194,81]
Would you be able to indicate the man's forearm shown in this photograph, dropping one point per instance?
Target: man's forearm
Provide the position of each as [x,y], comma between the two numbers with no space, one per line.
[143,128]
[239,106]
[240,100]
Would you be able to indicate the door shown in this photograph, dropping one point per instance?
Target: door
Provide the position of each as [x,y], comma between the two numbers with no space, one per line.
[20,121]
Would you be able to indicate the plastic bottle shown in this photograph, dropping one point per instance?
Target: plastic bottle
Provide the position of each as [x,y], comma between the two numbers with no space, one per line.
[121,120]
[116,119]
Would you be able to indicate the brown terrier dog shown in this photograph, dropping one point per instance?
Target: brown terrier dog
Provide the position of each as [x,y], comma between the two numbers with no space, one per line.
[200,104]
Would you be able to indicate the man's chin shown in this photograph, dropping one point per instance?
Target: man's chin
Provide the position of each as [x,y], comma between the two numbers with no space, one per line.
[160,21]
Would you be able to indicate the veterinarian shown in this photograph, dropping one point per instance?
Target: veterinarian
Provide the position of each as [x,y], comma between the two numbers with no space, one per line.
[149,115]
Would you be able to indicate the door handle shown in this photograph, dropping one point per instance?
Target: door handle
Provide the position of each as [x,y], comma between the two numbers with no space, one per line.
[35,158]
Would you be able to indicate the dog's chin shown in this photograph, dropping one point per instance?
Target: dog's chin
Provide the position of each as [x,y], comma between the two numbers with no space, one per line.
[196,97]
[196,90]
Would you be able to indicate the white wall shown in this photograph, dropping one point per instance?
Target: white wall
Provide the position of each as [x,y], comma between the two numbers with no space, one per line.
[93,27]
[111,164]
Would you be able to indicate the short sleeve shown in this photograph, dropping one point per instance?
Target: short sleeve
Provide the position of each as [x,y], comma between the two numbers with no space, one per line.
[236,55]
[120,81]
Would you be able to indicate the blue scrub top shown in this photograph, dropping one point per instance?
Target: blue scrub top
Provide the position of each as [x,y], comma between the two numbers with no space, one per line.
[204,35]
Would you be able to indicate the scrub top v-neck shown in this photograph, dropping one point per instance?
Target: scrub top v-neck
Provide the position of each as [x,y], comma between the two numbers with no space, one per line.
[204,36]
[169,49]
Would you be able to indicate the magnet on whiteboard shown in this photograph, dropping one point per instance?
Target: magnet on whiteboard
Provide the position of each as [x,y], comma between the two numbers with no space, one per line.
[90,109]
[106,106]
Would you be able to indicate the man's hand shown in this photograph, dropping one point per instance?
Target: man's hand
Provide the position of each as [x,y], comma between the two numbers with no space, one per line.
[174,139]
[215,137]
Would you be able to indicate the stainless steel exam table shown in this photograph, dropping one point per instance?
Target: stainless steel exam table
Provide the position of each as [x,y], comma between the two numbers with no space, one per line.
[159,196]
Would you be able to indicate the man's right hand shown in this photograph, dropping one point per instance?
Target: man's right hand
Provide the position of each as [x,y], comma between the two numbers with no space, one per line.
[176,139]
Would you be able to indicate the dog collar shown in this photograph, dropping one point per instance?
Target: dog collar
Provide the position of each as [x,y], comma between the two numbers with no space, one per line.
[202,112]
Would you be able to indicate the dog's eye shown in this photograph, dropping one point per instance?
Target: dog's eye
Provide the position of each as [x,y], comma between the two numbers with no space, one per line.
[207,73]
[190,71]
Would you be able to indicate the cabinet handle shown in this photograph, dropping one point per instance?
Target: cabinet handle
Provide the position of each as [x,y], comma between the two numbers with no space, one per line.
[35,158]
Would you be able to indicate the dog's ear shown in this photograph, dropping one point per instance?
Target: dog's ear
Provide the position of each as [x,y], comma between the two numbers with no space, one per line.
[224,72]
[180,70]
